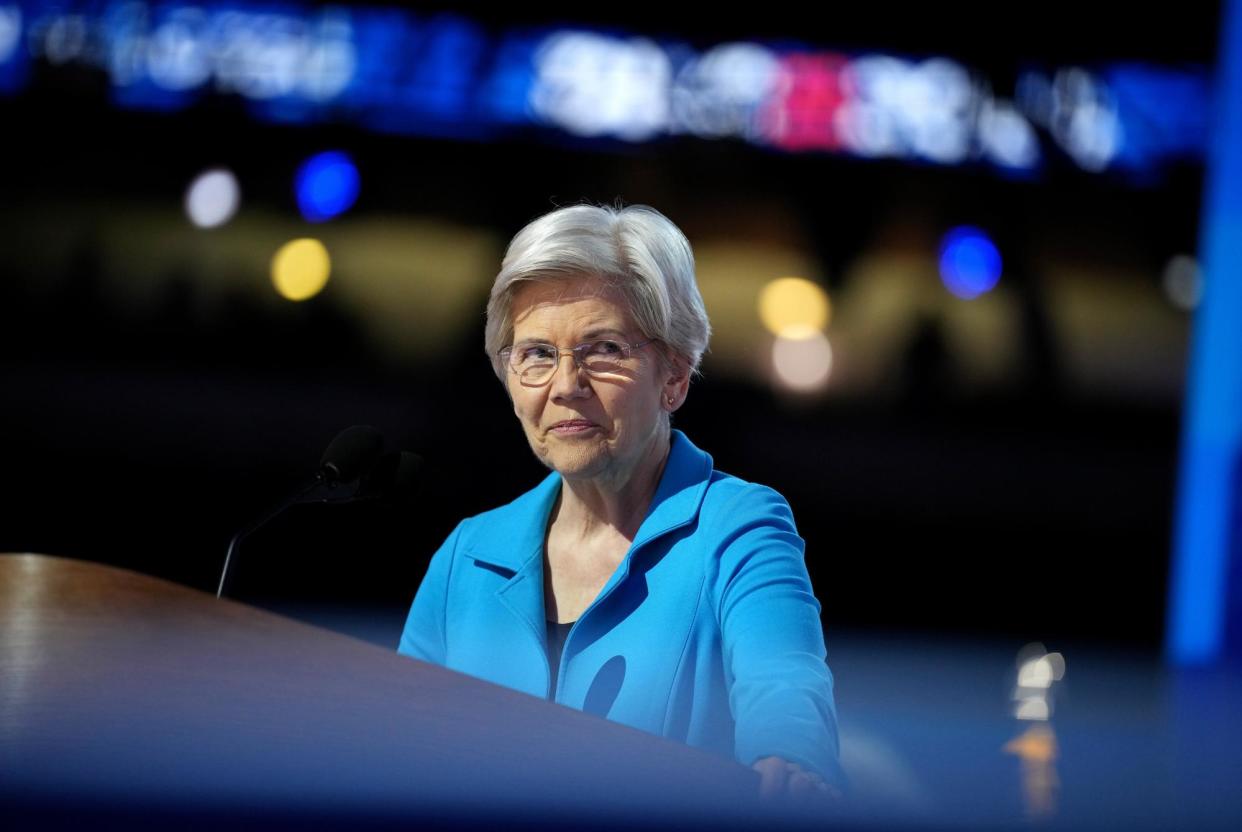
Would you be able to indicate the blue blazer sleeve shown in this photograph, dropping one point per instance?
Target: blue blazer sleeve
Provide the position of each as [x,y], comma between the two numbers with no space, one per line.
[780,688]
[424,633]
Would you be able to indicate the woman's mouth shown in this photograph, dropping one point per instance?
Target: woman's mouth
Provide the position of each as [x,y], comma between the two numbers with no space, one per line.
[572,426]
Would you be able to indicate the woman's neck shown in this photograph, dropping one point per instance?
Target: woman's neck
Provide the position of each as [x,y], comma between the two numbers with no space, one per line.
[613,505]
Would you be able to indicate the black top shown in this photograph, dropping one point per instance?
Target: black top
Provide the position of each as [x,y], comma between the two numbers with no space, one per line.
[557,633]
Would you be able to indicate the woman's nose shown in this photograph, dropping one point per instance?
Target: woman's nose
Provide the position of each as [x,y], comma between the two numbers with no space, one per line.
[569,379]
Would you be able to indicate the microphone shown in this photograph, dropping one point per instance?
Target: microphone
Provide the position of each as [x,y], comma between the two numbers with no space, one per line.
[354,451]
[351,453]
[393,478]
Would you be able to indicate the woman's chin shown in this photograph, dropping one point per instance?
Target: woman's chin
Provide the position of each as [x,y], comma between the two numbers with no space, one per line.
[577,463]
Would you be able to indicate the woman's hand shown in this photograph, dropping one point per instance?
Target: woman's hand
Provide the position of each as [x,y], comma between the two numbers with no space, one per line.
[781,778]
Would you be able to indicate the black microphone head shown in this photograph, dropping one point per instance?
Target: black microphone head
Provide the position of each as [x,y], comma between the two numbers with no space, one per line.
[351,453]
[394,477]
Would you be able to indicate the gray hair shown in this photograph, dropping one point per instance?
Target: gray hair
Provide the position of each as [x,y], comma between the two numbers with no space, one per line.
[636,249]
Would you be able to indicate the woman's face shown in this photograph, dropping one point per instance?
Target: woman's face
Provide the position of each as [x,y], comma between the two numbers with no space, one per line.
[592,427]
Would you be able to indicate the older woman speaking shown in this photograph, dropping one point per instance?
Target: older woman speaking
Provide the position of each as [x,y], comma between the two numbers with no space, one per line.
[636,581]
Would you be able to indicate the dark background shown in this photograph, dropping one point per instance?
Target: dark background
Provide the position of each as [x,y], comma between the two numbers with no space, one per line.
[1035,509]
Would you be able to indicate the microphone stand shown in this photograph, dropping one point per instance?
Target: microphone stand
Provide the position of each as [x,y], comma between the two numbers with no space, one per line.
[354,460]
[316,482]
[349,456]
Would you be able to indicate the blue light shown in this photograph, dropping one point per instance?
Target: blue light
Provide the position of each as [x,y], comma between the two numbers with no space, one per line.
[1205,594]
[1165,115]
[389,70]
[326,185]
[12,56]
[970,265]
[506,91]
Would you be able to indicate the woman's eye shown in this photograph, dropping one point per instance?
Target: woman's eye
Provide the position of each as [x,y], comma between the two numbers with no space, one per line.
[609,349]
[537,353]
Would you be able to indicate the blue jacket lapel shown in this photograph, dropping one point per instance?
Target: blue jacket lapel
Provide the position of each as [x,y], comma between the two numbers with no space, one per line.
[676,501]
[514,540]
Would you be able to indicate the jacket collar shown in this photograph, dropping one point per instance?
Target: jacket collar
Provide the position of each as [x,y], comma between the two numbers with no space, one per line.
[514,538]
[680,492]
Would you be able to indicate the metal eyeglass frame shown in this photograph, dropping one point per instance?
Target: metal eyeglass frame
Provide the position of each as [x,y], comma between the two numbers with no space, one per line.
[578,352]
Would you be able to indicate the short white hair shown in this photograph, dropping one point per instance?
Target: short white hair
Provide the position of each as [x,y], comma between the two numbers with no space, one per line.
[635,249]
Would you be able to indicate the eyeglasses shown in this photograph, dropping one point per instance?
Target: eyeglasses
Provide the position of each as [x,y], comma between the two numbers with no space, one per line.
[535,364]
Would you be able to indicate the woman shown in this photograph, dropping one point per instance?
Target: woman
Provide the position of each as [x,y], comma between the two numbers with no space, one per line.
[635,581]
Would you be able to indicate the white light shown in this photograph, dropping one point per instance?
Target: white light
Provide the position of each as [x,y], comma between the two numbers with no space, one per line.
[1034,708]
[739,72]
[1035,673]
[802,359]
[867,130]
[719,93]
[1007,137]
[1094,137]
[595,85]
[936,98]
[176,55]
[259,55]
[126,51]
[1084,119]
[10,31]
[896,108]
[212,198]
[868,122]
[1183,282]
[330,61]
[65,38]
[275,60]
[1057,662]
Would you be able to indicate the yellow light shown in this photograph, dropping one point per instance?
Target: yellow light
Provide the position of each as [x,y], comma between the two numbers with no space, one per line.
[1037,750]
[300,269]
[793,302]
[1038,744]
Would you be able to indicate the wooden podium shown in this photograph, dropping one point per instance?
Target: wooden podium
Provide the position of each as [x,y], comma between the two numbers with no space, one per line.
[130,699]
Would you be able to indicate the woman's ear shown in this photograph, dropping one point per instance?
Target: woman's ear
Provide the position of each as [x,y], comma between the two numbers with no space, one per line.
[676,384]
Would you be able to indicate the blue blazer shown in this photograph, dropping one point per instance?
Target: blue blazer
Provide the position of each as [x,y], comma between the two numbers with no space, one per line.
[708,632]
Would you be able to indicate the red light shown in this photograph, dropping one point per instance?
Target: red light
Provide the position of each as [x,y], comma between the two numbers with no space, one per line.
[802,114]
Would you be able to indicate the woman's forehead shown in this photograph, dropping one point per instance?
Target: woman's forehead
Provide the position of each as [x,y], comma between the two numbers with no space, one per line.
[580,302]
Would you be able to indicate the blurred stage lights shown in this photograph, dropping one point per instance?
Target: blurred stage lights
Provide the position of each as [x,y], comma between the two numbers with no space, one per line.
[970,264]
[802,359]
[300,269]
[594,84]
[212,198]
[1037,671]
[10,32]
[796,311]
[1041,672]
[793,302]
[1037,750]
[1183,281]
[326,186]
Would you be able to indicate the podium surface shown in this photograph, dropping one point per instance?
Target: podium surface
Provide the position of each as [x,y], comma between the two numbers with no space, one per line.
[129,693]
